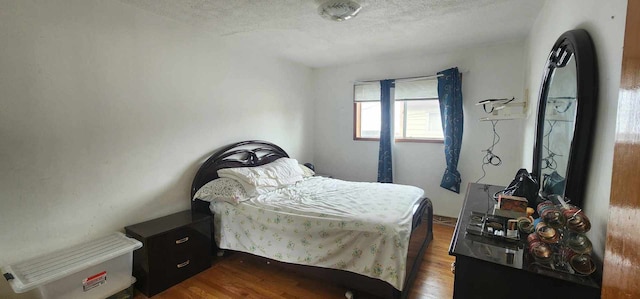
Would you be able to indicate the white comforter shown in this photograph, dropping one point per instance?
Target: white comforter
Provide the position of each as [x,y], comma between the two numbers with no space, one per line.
[358,227]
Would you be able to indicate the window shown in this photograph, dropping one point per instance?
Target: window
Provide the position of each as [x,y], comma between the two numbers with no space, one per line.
[416,115]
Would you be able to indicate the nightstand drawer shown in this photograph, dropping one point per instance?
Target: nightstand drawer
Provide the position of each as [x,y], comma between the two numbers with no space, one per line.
[183,239]
[180,250]
[180,267]
[174,269]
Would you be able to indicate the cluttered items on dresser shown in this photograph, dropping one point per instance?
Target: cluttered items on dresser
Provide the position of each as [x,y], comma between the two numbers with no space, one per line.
[506,262]
[523,185]
[511,207]
[501,222]
[551,231]
[558,241]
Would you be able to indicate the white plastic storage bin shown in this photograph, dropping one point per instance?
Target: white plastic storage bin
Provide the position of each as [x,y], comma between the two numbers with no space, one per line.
[96,269]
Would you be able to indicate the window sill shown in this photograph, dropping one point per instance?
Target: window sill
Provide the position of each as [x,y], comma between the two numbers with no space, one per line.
[403,140]
[421,140]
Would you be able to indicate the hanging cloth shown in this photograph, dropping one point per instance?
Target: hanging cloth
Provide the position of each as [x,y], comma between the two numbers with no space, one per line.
[450,97]
[385,169]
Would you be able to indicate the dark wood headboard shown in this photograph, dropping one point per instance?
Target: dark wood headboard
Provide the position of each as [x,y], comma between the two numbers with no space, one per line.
[248,153]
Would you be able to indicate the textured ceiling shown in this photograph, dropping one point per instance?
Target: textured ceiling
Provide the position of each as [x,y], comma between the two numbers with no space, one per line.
[293,29]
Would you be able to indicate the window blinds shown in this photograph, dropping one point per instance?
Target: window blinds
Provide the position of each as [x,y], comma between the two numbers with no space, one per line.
[366,92]
[405,90]
[416,89]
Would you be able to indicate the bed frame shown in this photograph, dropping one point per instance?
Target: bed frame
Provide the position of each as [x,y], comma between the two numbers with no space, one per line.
[254,153]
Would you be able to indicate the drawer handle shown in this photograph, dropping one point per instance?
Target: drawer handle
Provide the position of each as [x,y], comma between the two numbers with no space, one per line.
[185,239]
[182,264]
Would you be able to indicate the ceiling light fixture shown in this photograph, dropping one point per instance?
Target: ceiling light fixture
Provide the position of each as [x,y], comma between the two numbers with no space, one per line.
[339,10]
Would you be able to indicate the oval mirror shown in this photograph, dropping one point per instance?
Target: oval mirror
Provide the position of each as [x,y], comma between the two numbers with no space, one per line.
[566,112]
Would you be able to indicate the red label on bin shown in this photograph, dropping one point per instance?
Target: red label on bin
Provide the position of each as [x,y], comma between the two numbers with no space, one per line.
[94,281]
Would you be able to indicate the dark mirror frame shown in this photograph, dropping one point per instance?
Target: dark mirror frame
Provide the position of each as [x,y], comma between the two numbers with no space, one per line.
[579,43]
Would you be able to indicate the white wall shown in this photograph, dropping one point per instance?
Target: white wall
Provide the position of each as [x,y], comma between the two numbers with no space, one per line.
[605,21]
[107,111]
[494,71]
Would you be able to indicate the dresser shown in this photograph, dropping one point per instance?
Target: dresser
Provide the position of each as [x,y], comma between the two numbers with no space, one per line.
[491,268]
[175,247]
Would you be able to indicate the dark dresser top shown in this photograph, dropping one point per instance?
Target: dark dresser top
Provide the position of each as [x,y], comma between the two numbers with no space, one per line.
[167,223]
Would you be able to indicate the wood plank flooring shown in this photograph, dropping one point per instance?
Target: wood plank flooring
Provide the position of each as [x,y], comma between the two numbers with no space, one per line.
[233,277]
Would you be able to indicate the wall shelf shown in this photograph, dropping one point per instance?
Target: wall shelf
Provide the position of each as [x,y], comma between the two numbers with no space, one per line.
[503,117]
[503,109]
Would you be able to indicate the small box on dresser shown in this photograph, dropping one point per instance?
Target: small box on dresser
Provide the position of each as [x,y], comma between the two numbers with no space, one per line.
[175,247]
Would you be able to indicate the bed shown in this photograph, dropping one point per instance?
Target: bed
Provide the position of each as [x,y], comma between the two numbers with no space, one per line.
[246,226]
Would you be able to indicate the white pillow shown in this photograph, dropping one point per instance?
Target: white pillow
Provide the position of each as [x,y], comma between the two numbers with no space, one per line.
[306,171]
[222,189]
[279,173]
[246,185]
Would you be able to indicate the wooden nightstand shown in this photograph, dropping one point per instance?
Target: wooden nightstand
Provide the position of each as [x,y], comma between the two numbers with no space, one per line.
[175,247]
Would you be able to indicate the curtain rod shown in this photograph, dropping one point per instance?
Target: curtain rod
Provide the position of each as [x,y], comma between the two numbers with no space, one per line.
[407,79]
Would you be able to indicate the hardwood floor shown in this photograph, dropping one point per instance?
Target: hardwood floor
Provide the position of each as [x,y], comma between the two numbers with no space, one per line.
[233,277]
[435,279]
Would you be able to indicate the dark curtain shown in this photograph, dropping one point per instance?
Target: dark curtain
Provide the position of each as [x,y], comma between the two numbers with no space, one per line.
[385,170]
[450,97]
